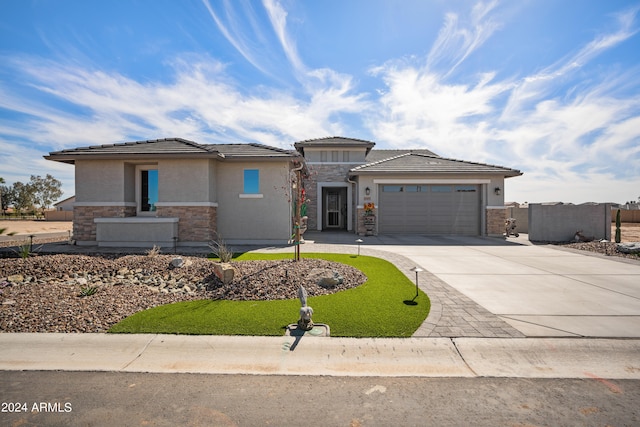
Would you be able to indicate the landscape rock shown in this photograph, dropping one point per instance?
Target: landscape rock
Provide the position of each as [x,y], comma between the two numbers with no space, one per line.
[16,278]
[224,271]
[325,277]
[629,248]
[50,303]
[176,263]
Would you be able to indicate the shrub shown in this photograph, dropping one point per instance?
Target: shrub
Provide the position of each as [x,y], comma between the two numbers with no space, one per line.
[221,250]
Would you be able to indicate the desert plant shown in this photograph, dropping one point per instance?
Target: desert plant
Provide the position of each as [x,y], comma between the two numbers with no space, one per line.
[86,291]
[221,250]
[154,251]
[24,250]
[618,232]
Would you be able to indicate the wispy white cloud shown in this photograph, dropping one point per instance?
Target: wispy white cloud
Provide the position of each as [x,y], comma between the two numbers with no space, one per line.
[536,86]
[235,34]
[278,18]
[579,135]
[202,102]
[457,40]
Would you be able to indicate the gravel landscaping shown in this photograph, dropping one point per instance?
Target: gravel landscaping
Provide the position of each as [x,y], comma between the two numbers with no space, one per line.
[604,248]
[43,293]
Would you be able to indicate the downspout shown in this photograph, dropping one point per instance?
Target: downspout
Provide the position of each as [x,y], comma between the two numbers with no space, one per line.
[355,226]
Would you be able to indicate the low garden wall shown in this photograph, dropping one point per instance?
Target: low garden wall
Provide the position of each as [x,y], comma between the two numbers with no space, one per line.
[559,223]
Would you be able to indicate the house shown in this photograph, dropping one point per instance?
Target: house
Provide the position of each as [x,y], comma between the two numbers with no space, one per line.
[413,191]
[65,205]
[172,192]
[62,210]
[178,192]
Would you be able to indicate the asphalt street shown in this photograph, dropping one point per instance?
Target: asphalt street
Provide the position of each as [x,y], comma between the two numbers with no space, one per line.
[143,399]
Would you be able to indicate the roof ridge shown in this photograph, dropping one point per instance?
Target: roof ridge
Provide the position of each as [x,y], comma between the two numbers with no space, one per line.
[253,144]
[336,137]
[381,161]
[465,161]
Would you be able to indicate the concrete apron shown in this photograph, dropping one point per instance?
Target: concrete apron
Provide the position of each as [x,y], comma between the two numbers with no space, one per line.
[309,355]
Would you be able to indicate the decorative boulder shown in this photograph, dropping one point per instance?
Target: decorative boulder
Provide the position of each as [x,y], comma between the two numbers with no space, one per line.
[224,271]
[325,277]
[629,248]
[179,262]
[16,278]
[176,263]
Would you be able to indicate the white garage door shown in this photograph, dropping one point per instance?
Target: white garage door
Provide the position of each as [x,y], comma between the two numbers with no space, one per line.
[429,209]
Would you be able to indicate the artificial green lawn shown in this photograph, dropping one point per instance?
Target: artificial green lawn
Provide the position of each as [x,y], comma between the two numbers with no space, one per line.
[374,309]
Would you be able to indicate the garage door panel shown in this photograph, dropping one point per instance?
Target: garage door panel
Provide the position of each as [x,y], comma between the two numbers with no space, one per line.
[429,209]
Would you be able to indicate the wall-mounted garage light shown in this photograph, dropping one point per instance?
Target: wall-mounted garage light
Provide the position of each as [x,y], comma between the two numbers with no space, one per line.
[367,191]
[497,191]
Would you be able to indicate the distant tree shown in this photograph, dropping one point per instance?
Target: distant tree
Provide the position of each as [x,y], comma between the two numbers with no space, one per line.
[23,197]
[2,190]
[6,197]
[45,190]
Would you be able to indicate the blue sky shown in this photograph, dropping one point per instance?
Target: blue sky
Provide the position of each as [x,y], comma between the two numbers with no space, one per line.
[548,87]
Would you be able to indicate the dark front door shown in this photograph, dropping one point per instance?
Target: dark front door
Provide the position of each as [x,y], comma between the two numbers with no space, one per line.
[335,208]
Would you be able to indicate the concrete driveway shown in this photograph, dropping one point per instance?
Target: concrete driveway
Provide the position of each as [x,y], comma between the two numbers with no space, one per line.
[541,290]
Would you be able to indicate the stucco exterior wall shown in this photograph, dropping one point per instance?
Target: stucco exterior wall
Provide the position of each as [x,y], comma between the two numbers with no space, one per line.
[100,181]
[185,180]
[263,217]
[559,223]
[522,218]
[204,194]
[331,155]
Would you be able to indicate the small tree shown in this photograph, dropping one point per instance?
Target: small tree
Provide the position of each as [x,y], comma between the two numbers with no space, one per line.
[45,190]
[23,197]
[6,198]
[3,190]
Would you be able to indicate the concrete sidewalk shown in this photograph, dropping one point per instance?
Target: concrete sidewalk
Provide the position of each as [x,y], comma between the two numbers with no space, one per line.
[414,357]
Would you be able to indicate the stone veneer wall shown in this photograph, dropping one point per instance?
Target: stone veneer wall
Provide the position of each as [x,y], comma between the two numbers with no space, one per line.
[495,221]
[84,228]
[196,223]
[321,173]
[360,228]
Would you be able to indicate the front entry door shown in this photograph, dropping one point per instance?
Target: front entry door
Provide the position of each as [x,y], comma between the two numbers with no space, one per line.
[335,208]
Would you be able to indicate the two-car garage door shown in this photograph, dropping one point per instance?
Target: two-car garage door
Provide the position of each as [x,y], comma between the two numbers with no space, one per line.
[429,209]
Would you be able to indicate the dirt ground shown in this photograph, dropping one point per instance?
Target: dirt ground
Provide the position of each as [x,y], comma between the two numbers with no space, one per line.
[35,226]
[630,230]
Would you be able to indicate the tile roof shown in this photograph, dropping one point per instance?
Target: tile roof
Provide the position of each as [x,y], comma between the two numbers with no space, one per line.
[334,140]
[249,150]
[413,162]
[175,147]
[376,155]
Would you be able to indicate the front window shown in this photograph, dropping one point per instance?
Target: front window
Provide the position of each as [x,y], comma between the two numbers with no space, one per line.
[148,190]
[251,181]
